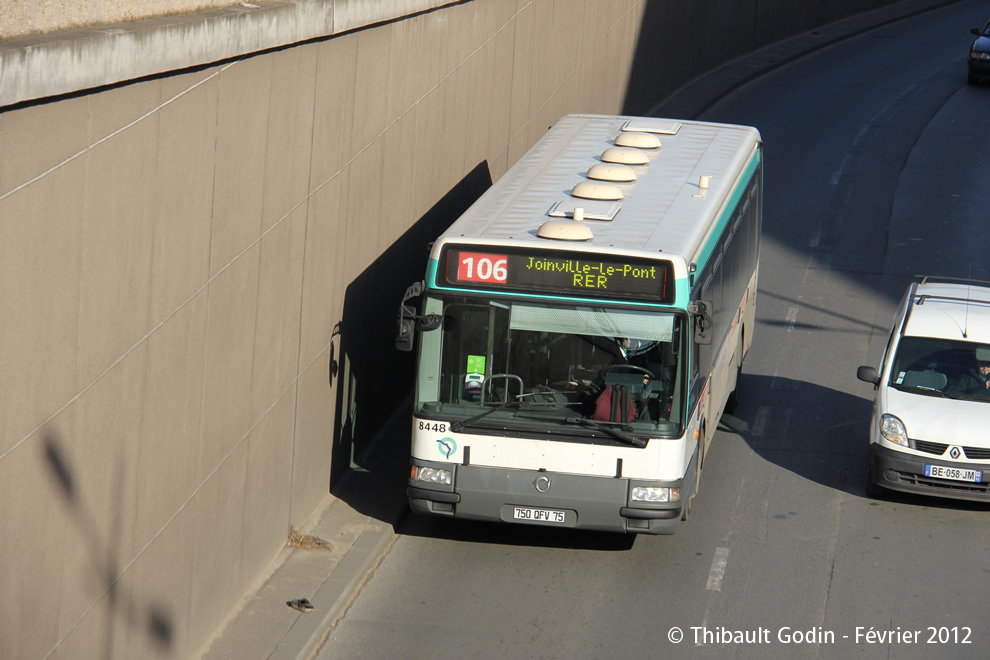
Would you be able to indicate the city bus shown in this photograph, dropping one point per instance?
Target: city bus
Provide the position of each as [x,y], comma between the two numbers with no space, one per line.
[582,327]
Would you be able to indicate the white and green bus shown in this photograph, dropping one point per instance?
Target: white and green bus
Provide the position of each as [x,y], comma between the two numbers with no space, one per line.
[582,327]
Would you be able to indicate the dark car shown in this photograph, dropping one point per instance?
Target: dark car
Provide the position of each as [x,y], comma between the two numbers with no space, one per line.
[979,55]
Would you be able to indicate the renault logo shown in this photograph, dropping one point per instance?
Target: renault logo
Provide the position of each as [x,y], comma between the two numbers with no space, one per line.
[955,452]
[542,484]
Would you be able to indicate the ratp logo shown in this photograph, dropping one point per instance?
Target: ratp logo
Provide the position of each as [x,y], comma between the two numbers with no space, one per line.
[447,446]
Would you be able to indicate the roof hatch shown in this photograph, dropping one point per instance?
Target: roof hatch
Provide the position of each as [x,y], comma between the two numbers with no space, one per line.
[637,140]
[593,190]
[617,173]
[593,210]
[651,125]
[625,156]
[565,230]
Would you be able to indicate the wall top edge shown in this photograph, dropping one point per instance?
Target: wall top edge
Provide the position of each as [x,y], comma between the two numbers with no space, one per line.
[48,65]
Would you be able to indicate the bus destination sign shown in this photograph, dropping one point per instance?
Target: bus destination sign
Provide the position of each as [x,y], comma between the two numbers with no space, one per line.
[553,272]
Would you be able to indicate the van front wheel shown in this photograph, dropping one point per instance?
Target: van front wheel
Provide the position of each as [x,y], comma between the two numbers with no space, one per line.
[874,491]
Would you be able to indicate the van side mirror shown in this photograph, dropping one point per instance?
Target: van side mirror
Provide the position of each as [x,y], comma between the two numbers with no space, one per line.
[868,375]
[701,312]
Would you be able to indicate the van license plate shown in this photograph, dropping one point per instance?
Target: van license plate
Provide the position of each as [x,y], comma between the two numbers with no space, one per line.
[942,472]
[538,515]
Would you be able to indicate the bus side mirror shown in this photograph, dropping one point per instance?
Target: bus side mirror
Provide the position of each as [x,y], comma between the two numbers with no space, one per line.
[701,312]
[408,321]
[405,330]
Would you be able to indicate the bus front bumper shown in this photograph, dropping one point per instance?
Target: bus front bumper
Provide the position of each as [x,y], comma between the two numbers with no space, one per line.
[547,499]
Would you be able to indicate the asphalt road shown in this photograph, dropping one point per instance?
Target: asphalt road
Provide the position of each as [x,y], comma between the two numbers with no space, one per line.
[876,169]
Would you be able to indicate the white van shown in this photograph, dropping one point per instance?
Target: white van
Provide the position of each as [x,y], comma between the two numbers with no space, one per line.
[930,428]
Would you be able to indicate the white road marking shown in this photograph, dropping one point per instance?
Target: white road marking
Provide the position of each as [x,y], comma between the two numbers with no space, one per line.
[817,238]
[760,423]
[791,318]
[718,569]
[782,419]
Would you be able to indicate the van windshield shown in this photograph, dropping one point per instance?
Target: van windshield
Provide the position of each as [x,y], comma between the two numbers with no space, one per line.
[552,365]
[943,366]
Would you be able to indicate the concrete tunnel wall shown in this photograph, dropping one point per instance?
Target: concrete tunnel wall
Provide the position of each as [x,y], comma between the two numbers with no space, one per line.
[178,254]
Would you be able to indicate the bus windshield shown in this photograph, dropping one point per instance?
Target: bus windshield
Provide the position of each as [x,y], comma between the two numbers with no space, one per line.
[519,365]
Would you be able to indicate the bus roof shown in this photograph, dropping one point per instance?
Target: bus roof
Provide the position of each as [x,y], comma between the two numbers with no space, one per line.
[665,209]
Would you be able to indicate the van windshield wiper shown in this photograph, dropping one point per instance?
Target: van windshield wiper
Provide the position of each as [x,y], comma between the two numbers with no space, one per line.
[917,389]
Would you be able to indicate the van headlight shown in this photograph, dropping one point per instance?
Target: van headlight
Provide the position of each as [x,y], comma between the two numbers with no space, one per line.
[892,430]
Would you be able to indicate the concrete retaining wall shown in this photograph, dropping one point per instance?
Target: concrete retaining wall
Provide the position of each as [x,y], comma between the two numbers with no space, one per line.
[61,62]
[199,273]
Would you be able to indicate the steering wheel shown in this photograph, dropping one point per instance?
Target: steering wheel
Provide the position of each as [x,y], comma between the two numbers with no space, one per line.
[631,367]
[544,393]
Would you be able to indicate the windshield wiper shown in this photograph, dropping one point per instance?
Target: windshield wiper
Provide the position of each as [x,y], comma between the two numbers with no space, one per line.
[958,396]
[520,402]
[634,441]
[915,389]
[979,395]
[610,430]
[501,405]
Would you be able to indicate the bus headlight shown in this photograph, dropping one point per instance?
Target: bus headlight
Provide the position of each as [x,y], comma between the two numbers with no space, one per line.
[892,430]
[431,475]
[653,494]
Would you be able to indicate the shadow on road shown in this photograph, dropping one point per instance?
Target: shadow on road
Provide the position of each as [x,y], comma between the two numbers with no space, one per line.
[471,531]
[817,433]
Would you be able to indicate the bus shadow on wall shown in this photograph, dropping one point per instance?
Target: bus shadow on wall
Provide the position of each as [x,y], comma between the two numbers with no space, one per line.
[815,432]
[373,380]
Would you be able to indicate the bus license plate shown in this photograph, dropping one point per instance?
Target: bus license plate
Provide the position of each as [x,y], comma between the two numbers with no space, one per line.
[955,474]
[538,515]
